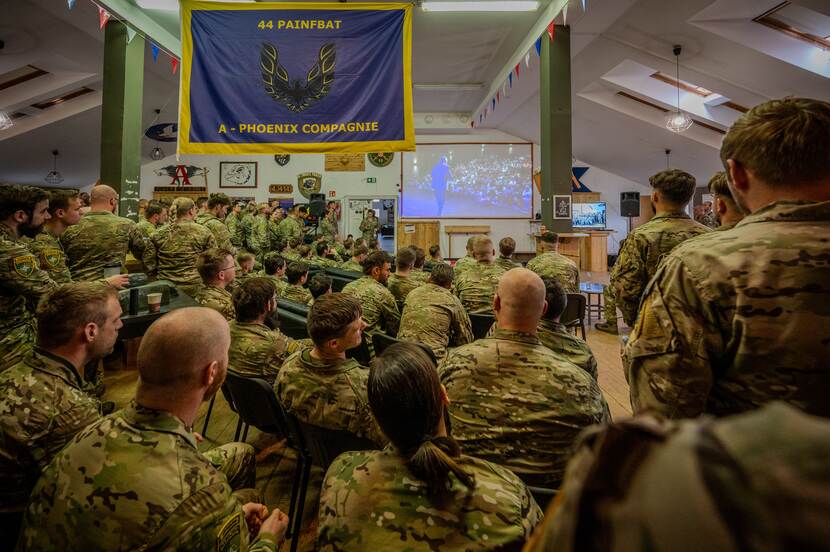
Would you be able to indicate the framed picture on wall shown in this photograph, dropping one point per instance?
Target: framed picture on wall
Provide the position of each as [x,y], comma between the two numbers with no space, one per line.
[562,207]
[237,174]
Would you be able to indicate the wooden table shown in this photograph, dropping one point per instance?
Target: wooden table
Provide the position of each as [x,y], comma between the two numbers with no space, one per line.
[467,229]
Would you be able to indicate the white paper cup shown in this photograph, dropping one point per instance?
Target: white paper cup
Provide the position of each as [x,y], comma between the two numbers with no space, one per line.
[154,302]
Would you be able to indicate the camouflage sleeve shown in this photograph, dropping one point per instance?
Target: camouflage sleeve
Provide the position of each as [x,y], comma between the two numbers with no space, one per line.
[391,314]
[591,367]
[137,242]
[628,279]
[21,274]
[210,241]
[222,236]
[150,256]
[673,345]
[461,329]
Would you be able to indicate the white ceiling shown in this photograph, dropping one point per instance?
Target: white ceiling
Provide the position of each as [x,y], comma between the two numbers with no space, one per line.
[613,133]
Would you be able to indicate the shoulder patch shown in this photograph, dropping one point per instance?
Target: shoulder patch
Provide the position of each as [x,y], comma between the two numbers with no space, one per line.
[51,257]
[24,265]
[227,538]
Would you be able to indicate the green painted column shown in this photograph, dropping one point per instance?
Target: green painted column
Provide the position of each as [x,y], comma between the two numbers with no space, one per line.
[121,125]
[555,96]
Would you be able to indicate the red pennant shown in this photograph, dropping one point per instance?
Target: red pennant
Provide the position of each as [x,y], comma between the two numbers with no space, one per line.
[517,69]
[497,97]
[103,17]
[550,30]
[473,124]
[174,63]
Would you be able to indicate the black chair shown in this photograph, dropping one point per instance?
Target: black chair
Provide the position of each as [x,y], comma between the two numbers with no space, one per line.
[292,324]
[574,315]
[542,495]
[482,324]
[293,306]
[229,399]
[338,283]
[340,273]
[380,341]
[361,353]
[318,446]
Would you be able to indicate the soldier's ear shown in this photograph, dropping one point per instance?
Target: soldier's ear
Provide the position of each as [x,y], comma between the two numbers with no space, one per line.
[90,332]
[737,175]
[545,308]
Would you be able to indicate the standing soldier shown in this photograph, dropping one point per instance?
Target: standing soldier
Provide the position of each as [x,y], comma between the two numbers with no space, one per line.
[173,252]
[551,264]
[101,238]
[233,222]
[328,226]
[292,226]
[212,219]
[246,224]
[154,216]
[370,225]
[258,240]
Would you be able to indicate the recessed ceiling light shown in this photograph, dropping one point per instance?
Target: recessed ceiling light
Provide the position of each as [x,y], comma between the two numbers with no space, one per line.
[481,6]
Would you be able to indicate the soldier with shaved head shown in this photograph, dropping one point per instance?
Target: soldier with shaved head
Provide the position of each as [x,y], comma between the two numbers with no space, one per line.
[513,401]
[135,479]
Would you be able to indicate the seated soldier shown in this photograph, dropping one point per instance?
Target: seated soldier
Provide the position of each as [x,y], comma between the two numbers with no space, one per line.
[422,494]
[323,256]
[355,264]
[274,266]
[514,401]
[136,480]
[754,481]
[551,264]
[304,253]
[380,311]
[320,385]
[432,315]
[42,401]
[246,262]
[507,246]
[319,285]
[467,260]
[217,269]
[401,282]
[435,257]
[418,271]
[554,335]
[257,350]
[297,274]
[290,253]
[476,285]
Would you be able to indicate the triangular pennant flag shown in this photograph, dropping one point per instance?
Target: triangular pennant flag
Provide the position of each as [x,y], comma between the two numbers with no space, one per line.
[510,79]
[550,30]
[539,46]
[565,15]
[70,3]
[527,60]
[473,124]
[480,117]
[155,49]
[498,99]
[583,5]
[494,104]
[174,63]
[504,89]
[103,17]
[517,70]
[130,34]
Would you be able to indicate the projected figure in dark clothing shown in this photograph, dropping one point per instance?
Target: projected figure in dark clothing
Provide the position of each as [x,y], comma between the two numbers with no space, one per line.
[440,176]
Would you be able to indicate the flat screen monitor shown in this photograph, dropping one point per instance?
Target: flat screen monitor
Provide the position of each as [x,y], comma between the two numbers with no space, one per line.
[589,215]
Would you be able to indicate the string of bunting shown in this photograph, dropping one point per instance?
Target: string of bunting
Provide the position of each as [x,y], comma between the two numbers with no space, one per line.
[103,18]
[515,73]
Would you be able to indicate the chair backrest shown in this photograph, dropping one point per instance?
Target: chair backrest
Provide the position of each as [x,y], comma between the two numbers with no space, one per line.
[293,306]
[574,311]
[340,273]
[323,445]
[481,324]
[542,495]
[381,341]
[338,283]
[256,403]
[292,324]
[361,353]
[226,392]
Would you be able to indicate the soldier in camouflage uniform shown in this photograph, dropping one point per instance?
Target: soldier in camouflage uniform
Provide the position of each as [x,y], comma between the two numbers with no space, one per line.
[274,267]
[476,285]
[435,257]
[296,274]
[257,350]
[328,226]
[355,263]
[557,338]
[42,401]
[432,315]
[135,479]
[738,318]
[246,225]
[174,250]
[233,221]
[706,217]
[727,212]
[418,273]
[401,282]
[323,257]
[646,246]
[468,260]
[217,269]
[213,219]
[292,226]
[513,401]
[757,481]
[319,285]
[421,494]
[23,211]
[380,311]
[320,385]
[507,246]
[551,264]
[101,238]
[369,226]
[155,215]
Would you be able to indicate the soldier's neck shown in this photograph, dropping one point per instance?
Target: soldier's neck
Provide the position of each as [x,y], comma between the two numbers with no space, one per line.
[76,356]
[56,227]
[322,354]
[12,230]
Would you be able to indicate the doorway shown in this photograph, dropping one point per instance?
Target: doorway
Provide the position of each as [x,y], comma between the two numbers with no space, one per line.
[386,210]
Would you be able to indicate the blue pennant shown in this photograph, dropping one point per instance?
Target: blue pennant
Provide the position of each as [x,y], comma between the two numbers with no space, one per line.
[539,46]
[510,79]
[155,50]
[576,183]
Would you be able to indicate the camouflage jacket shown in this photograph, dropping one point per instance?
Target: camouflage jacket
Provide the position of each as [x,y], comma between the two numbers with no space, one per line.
[325,262]
[369,229]
[557,267]
[216,298]
[476,287]
[419,275]
[258,351]
[352,265]
[708,220]
[22,283]
[146,228]
[42,406]
[246,225]
[370,501]
[232,221]
[135,479]
[296,293]
[279,283]
[328,227]
[506,263]
[400,286]
[463,264]
[696,485]
[99,239]
[641,253]
[515,402]
[219,230]
[328,393]
[558,339]
[174,251]
[291,227]
[432,315]
[258,238]
[51,256]
[380,311]
[738,318]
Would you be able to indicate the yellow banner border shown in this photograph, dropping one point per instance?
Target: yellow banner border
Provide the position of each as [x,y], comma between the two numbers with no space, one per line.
[185,146]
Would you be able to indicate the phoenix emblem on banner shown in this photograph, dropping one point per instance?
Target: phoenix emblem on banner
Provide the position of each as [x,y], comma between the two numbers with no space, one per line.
[295,94]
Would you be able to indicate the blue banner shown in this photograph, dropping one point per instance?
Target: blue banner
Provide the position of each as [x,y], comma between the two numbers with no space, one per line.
[264,77]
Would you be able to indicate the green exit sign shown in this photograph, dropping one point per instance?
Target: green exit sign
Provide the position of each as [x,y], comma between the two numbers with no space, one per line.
[371,180]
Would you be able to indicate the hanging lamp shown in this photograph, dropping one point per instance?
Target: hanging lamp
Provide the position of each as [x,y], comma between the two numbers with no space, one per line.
[678,121]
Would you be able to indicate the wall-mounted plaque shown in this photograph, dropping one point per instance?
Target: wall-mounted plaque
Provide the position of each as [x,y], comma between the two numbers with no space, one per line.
[345,162]
[281,189]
